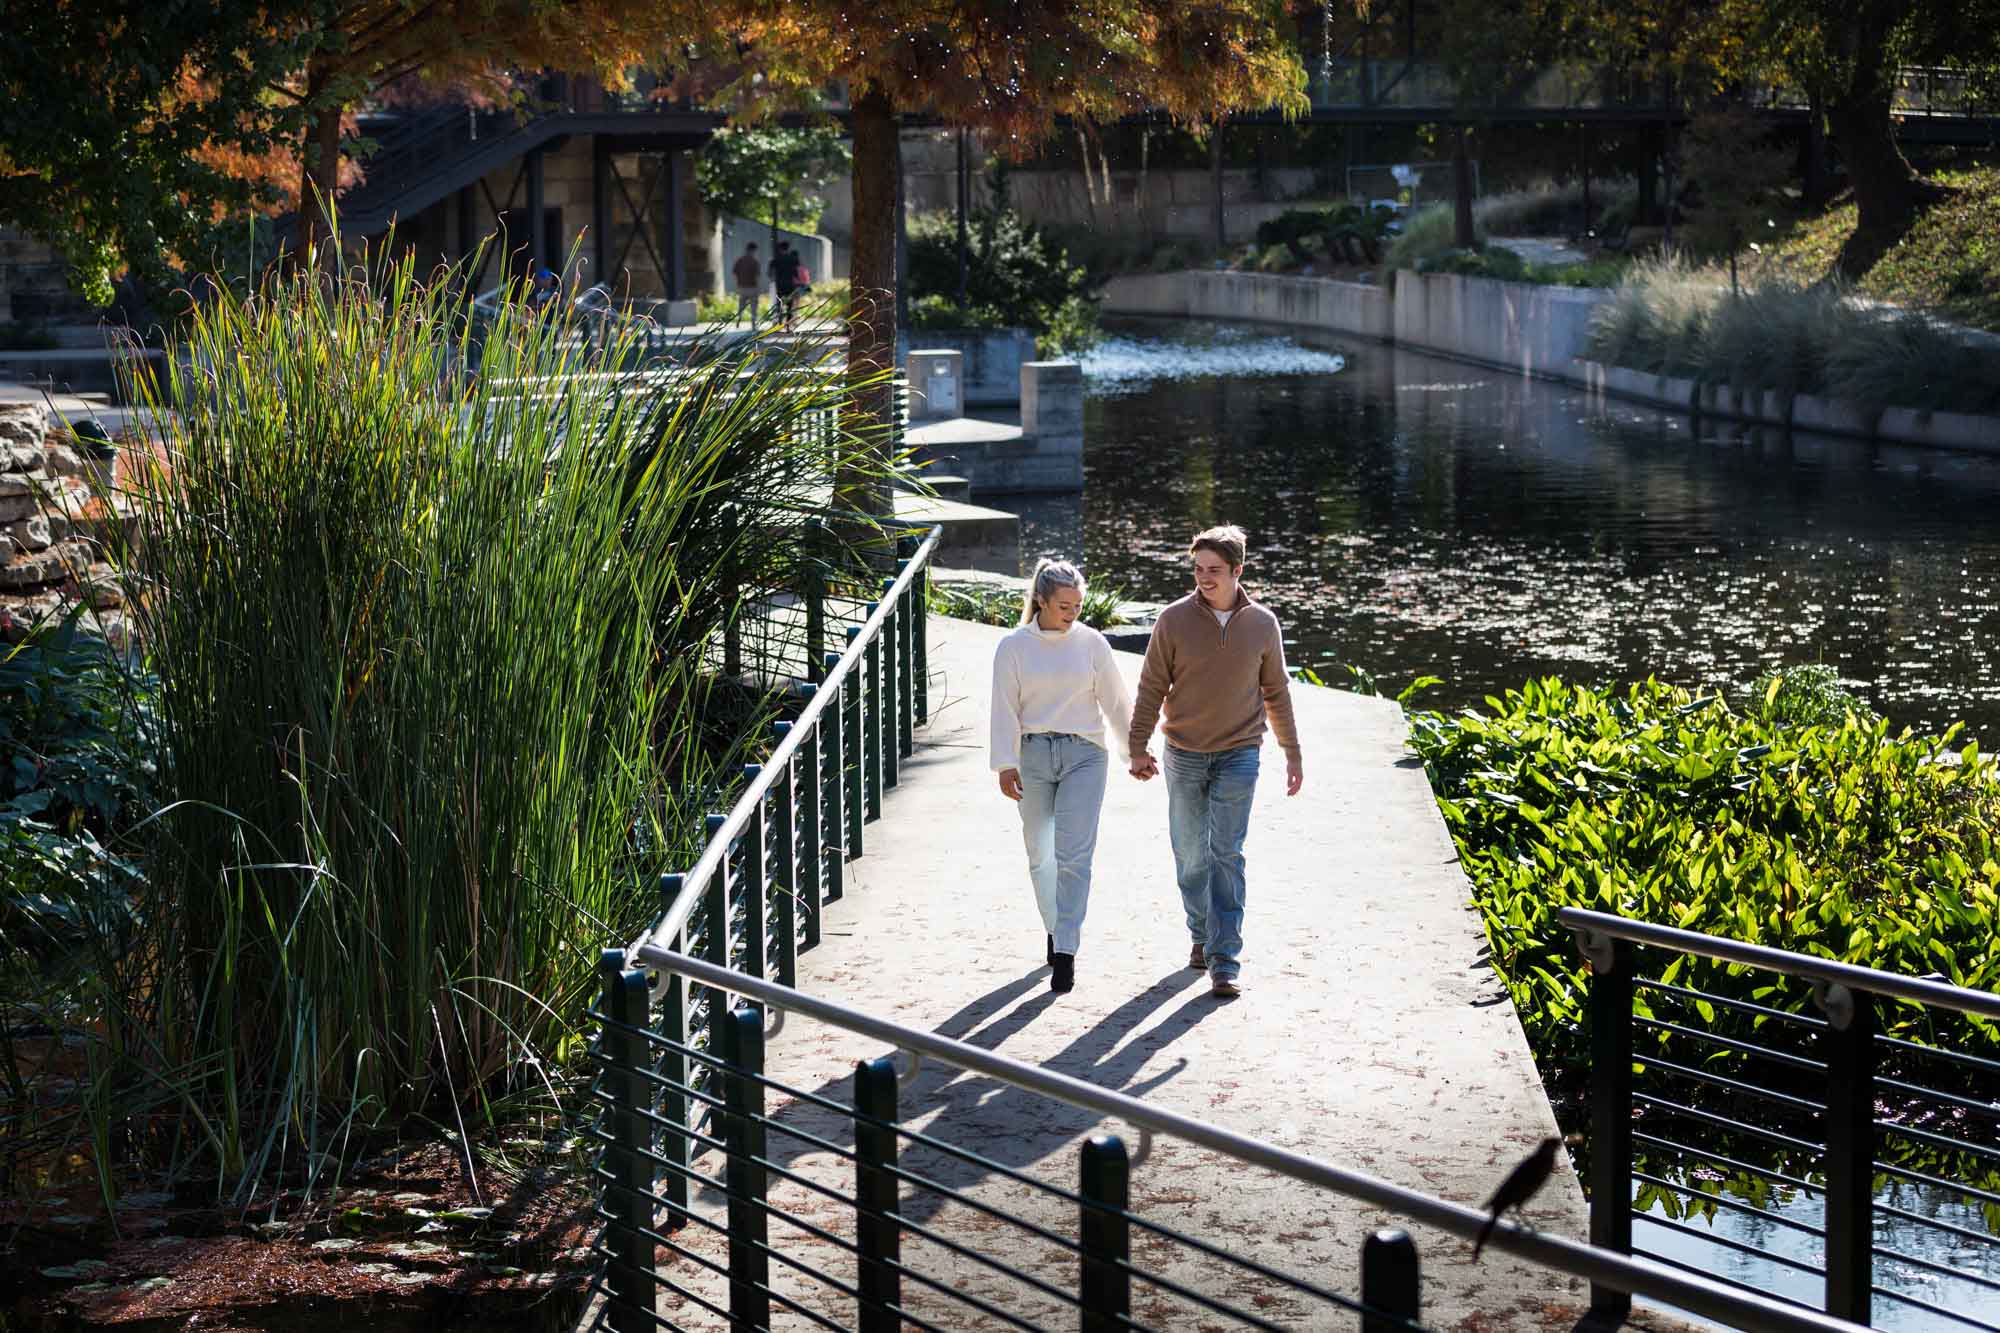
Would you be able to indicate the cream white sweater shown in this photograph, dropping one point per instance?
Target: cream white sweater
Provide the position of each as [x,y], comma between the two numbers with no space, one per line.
[1056,680]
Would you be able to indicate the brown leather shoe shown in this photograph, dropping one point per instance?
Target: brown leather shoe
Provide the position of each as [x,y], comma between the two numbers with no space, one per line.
[1223,988]
[1197,959]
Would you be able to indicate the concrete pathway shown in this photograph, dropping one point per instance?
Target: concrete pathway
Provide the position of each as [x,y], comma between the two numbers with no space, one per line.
[1370,1033]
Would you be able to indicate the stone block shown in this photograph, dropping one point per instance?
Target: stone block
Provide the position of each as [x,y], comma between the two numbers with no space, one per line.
[1129,638]
[937,383]
[23,424]
[30,534]
[1052,399]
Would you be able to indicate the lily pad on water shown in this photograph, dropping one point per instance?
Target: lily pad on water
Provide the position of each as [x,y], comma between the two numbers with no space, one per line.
[82,1268]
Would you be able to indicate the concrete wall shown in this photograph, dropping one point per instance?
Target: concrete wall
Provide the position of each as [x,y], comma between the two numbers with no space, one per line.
[1535,330]
[992,359]
[1313,303]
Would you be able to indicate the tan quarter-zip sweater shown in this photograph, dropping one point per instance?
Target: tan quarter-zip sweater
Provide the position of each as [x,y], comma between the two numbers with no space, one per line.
[1218,683]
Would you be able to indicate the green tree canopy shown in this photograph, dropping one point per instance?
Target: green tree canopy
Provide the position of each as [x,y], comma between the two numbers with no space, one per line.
[119,122]
[775,174]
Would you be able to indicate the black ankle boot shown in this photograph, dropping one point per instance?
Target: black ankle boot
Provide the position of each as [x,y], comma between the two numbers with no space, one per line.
[1052,950]
[1064,976]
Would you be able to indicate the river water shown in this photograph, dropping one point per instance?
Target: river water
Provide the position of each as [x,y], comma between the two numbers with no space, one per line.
[1412,516]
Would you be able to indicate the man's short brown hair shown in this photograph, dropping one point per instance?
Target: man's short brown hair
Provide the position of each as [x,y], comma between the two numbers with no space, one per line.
[1226,541]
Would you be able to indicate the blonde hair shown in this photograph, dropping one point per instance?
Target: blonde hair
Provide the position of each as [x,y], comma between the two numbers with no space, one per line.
[1226,541]
[1048,576]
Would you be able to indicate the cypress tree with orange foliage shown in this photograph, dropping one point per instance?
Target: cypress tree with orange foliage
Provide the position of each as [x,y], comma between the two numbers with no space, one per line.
[1007,69]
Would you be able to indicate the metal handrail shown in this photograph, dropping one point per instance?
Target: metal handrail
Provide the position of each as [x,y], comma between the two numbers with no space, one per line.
[1854,977]
[1637,1276]
[695,882]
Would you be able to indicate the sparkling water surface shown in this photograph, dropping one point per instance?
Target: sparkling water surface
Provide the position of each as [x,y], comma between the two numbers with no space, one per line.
[1411,516]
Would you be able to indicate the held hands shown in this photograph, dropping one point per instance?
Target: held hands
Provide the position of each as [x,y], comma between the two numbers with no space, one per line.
[1144,766]
[1010,783]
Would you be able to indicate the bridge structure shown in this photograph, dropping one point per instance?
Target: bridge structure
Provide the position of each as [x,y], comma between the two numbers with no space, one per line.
[837,1093]
[421,160]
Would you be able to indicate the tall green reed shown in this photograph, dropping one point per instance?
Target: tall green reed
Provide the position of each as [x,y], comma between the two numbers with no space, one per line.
[438,693]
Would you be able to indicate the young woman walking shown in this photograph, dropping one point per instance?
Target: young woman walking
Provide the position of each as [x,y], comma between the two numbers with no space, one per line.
[1055,683]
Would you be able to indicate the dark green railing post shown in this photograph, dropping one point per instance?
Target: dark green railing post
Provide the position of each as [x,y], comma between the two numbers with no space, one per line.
[906,665]
[1106,1279]
[743,1134]
[923,653]
[812,836]
[877,1196]
[856,746]
[891,686]
[675,1146]
[1390,1283]
[1849,1041]
[871,722]
[715,904]
[785,865]
[1610,1113]
[833,727]
[629,1275]
[814,593]
[756,888]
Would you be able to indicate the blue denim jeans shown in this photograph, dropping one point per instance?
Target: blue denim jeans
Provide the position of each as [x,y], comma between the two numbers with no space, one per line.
[1208,814]
[1062,793]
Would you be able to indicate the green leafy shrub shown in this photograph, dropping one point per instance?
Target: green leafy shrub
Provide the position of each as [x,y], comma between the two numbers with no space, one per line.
[1012,270]
[75,777]
[990,604]
[1798,822]
[1494,262]
[1343,231]
[1428,232]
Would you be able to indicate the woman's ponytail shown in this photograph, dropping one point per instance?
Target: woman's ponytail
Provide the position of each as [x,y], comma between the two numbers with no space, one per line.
[1048,576]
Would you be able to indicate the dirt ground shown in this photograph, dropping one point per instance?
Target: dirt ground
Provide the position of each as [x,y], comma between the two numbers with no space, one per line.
[404,1243]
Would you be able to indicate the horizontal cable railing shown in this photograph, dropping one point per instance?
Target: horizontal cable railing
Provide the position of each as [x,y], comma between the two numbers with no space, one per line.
[855,645]
[886,1231]
[1704,1104]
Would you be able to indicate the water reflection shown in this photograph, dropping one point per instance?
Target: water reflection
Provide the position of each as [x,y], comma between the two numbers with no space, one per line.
[1411,515]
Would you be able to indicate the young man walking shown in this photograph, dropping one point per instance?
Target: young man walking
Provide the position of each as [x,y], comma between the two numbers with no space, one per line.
[749,271]
[1216,669]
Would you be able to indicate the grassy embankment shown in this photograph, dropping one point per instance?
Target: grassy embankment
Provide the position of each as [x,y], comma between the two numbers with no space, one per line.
[1948,263]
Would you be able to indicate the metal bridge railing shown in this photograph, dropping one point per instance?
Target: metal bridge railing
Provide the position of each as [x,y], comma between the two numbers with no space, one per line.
[840,1248]
[1790,1102]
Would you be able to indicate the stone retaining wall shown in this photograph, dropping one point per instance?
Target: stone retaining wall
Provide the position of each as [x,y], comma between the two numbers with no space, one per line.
[51,524]
[1524,327]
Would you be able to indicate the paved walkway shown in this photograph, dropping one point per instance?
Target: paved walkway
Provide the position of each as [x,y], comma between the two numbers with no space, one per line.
[1370,1032]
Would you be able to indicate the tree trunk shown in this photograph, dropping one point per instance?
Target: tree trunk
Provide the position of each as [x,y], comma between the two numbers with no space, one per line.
[319,179]
[1887,190]
[1462,234]
[860,481]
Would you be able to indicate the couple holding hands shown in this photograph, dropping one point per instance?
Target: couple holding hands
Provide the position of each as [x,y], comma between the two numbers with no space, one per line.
[1214,675]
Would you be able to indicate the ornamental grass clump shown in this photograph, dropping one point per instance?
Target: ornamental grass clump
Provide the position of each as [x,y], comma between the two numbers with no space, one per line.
[437,702]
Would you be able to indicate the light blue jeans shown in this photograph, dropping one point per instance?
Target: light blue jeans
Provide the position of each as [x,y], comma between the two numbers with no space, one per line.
[1208,814]
[1062,792]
